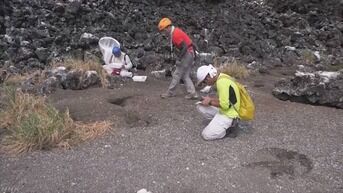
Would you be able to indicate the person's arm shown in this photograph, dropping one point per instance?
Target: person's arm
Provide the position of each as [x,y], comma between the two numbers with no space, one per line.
[183,49]
[214,102]
[210,101]
[127,62]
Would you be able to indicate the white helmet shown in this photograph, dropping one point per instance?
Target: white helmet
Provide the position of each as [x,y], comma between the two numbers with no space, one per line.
[203,71]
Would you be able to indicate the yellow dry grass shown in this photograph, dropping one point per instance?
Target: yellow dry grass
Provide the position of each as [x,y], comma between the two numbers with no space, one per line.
[234,69]
[33,124]
[91,130]
[16,79]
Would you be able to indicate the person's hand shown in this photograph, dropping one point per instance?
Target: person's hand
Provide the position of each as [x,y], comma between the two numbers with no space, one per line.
[206,101]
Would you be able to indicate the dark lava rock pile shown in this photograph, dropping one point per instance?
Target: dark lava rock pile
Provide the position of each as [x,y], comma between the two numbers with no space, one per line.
[36,31]
[321,88]
[272,33]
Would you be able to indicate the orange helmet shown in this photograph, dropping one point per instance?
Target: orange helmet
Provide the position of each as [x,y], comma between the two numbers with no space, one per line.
[165,22]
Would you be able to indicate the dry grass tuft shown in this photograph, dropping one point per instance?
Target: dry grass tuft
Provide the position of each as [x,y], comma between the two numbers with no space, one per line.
[15,79]
[234,69]
[32,124]
[91,130]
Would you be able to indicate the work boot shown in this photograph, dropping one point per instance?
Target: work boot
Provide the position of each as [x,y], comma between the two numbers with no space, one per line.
[231,132]
[167,95]
[192,96]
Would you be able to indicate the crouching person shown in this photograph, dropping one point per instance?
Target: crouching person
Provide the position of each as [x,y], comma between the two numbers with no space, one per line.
[221,109]
[119,64]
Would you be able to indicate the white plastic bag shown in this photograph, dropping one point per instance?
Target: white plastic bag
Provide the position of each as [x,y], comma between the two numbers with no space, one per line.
[106,44]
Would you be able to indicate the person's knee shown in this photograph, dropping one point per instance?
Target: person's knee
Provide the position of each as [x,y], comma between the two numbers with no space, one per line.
[177,72]
[125,73]
[206,112]
[209,136]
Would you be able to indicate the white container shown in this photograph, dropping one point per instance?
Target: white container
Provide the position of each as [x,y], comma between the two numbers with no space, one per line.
[139,78]
[106,44]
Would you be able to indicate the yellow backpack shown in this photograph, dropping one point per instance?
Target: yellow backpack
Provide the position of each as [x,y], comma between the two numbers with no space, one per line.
[247,108]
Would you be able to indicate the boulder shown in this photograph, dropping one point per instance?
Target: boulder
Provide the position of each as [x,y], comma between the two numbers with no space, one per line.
[318,88]
[91,79]
[42,54]
[49,86]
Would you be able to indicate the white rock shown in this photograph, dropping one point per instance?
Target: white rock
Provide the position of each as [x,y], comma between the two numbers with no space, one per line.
[24,43]
[143,191]
[331,75]
[58,69]
[290,48]
[8,38]
[298,73]
[87,35]
[316,53]
[301,67]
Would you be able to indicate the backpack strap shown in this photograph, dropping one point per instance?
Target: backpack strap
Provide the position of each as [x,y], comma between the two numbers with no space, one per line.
[171,41]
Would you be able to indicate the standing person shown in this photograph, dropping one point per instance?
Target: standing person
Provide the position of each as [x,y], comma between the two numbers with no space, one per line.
[119,64]
[183,43]
[222,109]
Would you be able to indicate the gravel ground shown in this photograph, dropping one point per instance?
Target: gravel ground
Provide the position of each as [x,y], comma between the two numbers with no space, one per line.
[156,144]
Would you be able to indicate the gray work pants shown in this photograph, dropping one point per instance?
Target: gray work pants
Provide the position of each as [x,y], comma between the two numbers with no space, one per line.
[183,71]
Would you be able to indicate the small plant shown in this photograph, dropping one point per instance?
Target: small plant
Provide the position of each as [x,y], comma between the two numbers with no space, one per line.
[308,57]
[33,124]
[234,69]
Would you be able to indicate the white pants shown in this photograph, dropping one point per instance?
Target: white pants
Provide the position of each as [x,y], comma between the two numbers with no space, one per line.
[123,72]
[216,129]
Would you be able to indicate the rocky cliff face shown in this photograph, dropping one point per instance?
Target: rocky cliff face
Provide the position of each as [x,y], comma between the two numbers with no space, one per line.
[33,32]
[267,33]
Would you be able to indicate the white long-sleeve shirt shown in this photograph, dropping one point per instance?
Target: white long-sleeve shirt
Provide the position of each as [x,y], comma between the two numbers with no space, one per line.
[122,62]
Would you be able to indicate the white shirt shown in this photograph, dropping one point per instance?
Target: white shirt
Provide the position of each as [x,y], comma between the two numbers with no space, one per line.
[121,62]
